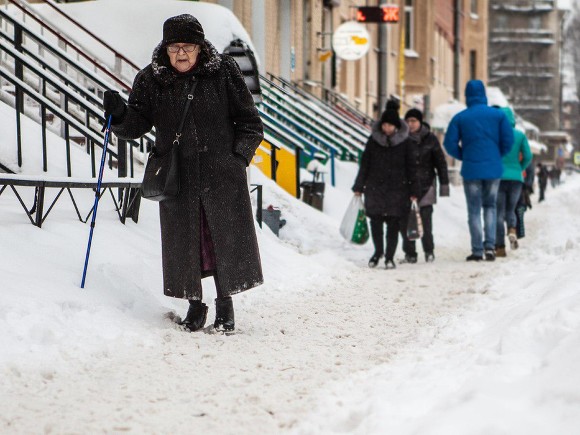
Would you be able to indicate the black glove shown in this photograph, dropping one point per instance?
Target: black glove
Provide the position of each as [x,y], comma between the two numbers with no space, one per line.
[114,105]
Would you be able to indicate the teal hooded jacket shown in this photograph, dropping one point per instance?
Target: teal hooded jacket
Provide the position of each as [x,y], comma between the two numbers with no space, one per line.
[517,160]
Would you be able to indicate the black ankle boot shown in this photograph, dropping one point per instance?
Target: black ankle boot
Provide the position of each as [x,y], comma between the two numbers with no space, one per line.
[224,314]
[196,316]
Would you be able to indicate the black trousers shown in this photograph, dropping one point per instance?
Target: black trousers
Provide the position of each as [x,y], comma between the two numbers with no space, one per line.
[427,240]
[394,225]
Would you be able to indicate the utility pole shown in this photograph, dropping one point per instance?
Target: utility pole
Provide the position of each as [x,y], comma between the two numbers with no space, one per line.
[383,56]
[457,49]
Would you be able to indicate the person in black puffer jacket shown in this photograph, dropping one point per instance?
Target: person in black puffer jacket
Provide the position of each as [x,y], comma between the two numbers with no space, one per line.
[431,163]
[387,178]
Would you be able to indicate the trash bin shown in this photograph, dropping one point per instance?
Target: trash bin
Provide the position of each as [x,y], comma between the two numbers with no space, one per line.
[313,193]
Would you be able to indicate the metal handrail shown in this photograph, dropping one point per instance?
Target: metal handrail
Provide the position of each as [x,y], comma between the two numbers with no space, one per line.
[362,118]
[335,130]
[91,135]
[62,57]
[71,44]
[91,34]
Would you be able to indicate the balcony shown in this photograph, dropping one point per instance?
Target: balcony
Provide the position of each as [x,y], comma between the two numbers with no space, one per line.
[523,6]
[500,71]
[522,36]
[533,103]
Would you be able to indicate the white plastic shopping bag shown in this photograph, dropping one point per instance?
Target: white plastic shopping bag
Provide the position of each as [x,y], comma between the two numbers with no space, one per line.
[354,226]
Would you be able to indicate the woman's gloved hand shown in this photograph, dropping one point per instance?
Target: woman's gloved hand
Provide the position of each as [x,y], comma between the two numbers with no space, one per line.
[114,105]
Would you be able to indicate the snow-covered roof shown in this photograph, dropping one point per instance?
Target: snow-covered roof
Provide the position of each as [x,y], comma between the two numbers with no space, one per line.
[443,114]
[565,4]
[537,147]
[495,97]
[528,126]
[135,27]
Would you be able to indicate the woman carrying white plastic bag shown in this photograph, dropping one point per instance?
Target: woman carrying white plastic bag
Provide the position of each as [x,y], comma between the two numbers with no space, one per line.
[354,227]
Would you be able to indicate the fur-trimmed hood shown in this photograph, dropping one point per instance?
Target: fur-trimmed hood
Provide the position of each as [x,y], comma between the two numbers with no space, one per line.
[390,141]
[209,63]
[423,132]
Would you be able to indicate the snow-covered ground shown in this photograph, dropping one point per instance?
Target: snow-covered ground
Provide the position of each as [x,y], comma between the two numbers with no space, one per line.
[324,346]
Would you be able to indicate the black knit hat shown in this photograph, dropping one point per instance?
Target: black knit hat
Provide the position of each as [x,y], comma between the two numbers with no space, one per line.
[183,28]
[414,113]
[391,117]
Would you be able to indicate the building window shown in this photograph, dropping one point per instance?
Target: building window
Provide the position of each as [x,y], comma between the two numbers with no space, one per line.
[409,25]
[501,21]
[474,8]
[536,23]
[473,64]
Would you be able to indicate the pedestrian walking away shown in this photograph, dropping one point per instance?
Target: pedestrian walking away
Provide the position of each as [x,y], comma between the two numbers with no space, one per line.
[542,172]
[387,178]
[480,136]
[525,201]
[431,164]
[510,188]
[208,229]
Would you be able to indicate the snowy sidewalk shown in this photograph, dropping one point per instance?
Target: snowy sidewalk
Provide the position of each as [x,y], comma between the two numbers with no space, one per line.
[325,346]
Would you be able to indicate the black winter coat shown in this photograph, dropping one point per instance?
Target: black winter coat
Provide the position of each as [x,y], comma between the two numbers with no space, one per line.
[387,173]
[431,162]
[221,133]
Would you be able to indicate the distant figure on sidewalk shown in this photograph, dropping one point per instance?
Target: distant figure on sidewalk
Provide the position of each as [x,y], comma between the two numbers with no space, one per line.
[510,188]
[554,175]
[431,163]
[480,136]
[388,178]
[542,173]
[525,200]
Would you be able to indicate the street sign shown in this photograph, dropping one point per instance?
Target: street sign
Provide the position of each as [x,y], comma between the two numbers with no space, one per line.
[351,41]
[378,14]
[577,158]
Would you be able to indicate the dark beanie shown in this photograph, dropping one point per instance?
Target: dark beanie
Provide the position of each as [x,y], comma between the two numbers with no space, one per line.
[414,113]
[392,117]
[393,104]
[183,28]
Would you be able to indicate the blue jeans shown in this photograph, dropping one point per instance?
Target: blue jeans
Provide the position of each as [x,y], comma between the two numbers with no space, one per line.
[508,196]
[481,194]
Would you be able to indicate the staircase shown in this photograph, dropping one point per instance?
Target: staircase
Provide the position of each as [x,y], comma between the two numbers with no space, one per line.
[48,78]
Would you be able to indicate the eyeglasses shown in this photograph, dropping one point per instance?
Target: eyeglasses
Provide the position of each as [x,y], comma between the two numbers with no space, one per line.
[190,48]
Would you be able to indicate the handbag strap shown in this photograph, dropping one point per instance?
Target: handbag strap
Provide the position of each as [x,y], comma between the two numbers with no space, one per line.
[185,109]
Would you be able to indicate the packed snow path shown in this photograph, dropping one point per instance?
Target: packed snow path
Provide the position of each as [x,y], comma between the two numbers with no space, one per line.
[309,345]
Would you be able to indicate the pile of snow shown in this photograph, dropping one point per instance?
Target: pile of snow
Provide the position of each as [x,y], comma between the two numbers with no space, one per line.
[495,97]
[135,27]
[32,149]
[443,114]
[326,345]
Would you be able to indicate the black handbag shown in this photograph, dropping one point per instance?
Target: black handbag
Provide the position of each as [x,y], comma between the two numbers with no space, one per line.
[161,178]
[414,224]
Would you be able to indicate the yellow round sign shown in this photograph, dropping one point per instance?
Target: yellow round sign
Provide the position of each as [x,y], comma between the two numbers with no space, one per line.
[351,41]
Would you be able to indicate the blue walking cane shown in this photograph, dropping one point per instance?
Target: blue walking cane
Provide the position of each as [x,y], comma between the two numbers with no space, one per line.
[97,196]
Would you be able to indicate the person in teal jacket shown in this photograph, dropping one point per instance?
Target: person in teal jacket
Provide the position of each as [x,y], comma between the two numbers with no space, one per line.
[510,188]
[480,136]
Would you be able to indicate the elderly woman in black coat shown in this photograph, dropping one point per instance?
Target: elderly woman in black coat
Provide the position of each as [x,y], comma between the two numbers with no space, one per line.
[208,229]
[387,178]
